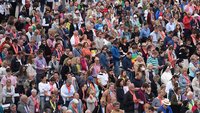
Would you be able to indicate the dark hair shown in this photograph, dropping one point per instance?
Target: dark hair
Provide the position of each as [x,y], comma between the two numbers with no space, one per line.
[39,51]
[117,84]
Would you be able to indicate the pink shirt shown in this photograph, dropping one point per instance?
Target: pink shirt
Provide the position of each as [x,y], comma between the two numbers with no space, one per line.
[12,78]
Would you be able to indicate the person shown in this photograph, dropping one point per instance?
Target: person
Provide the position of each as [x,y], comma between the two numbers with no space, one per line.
[116,109]
[13,108]
[198,109]
[130,99]
[195,83]
[91,101]
[23,105]
[41,66]
[116,57]
[67,90]
[165,107]
[176,100]
[52,104]
[44,91]
[33,102]
[8,92]
[10,76]
[184,106]
[157,102]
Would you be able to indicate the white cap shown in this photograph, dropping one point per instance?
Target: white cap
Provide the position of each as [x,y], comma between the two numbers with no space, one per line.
[75,101]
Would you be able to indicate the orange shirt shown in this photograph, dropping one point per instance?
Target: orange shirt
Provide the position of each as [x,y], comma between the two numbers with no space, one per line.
[86,52]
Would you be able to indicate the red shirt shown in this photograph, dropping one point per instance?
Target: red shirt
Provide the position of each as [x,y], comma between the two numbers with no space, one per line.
[186,22]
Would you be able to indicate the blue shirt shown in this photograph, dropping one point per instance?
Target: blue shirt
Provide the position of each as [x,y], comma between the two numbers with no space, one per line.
[115,53]
[144,33]
[161,108]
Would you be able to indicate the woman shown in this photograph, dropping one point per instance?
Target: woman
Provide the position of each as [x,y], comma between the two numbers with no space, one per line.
[30,70]
[120,91]
[123,75]
[21,78]
[167,74]
[126,84]
[31,86]
[184,80]
[66,68]
[54,64]
[91,101]
[95,67]
[83,94]
[44,91]
[149,96]
[86,50]
[193,66]
[85,39]
[8,92]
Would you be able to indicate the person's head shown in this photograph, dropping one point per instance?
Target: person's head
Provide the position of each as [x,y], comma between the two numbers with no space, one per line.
[76,96]
[104,49]
[190,95]
[67,62]
[43,78]
[145,86]
[111,86]
[198,104]
[75,103]
[184,71]
[13,108]
[119,83]
[175,78]
[116,105]
[131,87]
[68,83]
[40,53]
[33,92]
[146,107]
[177,90]
[8,82]
[24,99]
[8,71]
[166,103]
[56,75]
[96,59]
[151,109]
[129,55]
[161,93]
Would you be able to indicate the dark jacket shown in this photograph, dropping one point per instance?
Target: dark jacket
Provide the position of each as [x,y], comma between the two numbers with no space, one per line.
[15,64]
[126,63]
[47,106]
[174,104]
[128,103]
[65,69]
[120,96]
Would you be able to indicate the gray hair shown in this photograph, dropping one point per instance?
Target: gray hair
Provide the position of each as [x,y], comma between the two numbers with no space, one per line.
[33,90]
[188,111]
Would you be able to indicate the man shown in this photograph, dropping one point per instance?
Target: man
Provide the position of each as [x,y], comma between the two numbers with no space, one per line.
[33,101]
[190,98]
[171,84]
[168,40]
[29,34]
[103,58]
[157,102]
[75,39]
[155,35]
[170,26]
[23,105]
[187,26]
[67,91]
[127,65]
[13,108]
[41,65]
[116,57]
[145,32]
[165,108]
[130,99]
[16,63]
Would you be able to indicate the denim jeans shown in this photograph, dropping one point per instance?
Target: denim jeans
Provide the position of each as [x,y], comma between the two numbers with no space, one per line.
[116,68]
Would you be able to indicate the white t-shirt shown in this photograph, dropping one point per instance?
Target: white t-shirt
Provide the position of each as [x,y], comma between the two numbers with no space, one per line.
[103,78]
[44,87]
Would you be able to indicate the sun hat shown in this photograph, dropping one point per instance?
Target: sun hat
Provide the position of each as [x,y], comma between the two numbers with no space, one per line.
[166,102]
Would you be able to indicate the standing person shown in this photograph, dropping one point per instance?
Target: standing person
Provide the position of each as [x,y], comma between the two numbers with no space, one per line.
[198,109]
[130,99]
[8,93]
[67,91]
[116,108]
[196,84]
[128,65]
[44,91]
[33,101]
[23,105]
[187,26]
[41,66]
[52,104]
[176,100]
[116,57]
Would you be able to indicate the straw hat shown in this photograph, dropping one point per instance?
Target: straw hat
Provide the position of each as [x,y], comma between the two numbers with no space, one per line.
[166,102]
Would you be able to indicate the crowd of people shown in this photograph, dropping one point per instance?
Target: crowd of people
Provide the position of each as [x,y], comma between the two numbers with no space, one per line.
[100,56]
